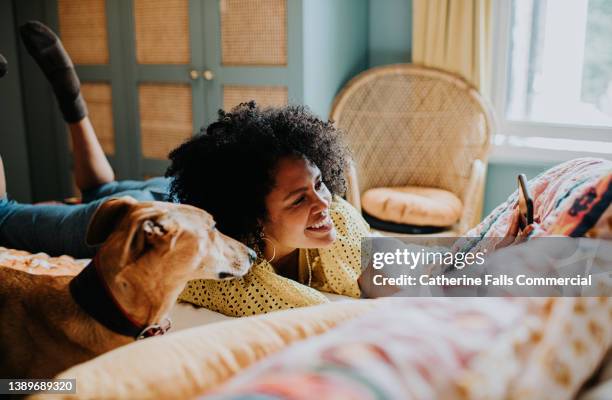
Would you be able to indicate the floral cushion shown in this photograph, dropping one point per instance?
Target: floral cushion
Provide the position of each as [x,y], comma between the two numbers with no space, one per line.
[569,200]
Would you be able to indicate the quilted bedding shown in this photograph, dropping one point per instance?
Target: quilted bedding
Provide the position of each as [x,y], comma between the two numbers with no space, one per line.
[40,263]
[443,348]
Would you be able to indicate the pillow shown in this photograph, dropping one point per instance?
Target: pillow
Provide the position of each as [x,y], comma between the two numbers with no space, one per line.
[413,205]
[182,364]
[585,211]
[569,199]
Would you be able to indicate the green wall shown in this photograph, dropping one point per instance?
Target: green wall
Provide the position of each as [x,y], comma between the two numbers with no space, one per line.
[390,33]
[335,48]
[501,180]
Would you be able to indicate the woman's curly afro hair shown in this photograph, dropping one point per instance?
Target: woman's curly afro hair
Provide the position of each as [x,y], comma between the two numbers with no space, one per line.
[228,169]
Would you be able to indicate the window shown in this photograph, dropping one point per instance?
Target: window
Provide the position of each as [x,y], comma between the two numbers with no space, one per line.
[553,74]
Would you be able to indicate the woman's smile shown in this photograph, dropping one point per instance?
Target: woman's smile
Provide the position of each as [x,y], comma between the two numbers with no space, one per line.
[323,225]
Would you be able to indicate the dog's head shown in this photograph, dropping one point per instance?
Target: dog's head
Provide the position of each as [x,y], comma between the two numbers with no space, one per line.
[180,240]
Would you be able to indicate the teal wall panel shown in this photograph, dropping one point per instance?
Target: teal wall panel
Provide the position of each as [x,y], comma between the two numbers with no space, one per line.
[390,32]
[335,48]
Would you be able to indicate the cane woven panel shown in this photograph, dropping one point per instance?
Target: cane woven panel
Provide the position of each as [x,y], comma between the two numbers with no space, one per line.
[407,126]
[100,104]
[253,32]
[162,31]
[165,118]
[265,96]
[82,26]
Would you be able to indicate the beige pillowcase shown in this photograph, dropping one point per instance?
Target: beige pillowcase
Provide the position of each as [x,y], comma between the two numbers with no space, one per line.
[190,362]
[413,205]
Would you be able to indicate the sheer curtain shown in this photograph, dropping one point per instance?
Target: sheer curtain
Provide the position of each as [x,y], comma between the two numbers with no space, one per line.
[454,35]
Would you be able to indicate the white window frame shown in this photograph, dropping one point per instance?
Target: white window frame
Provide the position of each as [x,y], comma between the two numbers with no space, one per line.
[514,139]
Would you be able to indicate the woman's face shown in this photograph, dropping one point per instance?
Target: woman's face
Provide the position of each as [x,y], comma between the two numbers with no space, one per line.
[298,207]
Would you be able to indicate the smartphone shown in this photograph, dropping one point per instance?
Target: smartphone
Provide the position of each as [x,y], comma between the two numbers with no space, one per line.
[525,203]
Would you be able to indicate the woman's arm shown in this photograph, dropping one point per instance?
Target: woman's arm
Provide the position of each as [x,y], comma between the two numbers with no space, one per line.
[340,264]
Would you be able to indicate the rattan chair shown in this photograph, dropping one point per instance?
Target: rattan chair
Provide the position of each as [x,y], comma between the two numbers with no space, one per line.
[412,125]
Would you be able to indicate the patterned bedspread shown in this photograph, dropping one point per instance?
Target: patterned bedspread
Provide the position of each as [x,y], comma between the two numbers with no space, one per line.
[40,263]
[443,349]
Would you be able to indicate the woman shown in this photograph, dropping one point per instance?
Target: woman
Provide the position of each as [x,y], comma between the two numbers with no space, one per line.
[273,179]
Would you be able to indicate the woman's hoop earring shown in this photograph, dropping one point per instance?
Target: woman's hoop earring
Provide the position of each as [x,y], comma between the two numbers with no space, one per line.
[273,248]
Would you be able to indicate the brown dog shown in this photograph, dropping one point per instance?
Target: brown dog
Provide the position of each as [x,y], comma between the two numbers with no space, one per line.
[149,251]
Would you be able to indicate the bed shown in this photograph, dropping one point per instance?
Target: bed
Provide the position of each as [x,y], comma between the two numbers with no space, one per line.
[387,348]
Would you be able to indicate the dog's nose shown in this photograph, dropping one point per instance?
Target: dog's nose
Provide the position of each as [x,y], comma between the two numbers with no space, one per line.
[225,275]
[252,256]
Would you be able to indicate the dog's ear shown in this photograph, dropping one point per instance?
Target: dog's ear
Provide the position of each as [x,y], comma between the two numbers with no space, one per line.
[152,232]
[106,218]
[149,233]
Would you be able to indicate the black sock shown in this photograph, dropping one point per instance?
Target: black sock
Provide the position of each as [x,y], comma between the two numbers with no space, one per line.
[3,66]
[46,48]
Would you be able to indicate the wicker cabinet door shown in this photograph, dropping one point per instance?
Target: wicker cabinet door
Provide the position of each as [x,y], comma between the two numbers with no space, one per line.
[247,52]
[167,87]
[85,39]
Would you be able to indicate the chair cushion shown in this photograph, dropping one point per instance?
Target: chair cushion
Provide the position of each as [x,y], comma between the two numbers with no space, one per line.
[387,226]
[413,205]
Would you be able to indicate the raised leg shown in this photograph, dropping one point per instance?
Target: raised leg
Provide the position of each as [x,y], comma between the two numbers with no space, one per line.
[91,168]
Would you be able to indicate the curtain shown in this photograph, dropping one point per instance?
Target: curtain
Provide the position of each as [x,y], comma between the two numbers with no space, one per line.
[454,35]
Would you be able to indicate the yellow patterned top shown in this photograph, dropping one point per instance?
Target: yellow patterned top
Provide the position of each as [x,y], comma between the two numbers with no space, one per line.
[334,269]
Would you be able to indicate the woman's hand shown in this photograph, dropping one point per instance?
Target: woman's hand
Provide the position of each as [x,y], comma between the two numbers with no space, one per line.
[367,287]
[515,234]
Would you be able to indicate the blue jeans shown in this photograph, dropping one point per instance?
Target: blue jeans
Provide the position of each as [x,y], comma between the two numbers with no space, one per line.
[61,229]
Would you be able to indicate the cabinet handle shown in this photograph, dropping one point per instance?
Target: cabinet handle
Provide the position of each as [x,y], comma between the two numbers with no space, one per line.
[208,75]
[193,74]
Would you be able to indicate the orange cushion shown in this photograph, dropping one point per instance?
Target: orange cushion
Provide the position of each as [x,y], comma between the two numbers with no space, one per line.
[413,205]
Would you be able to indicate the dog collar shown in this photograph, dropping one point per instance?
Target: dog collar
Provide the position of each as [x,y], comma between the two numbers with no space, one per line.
[92,294]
